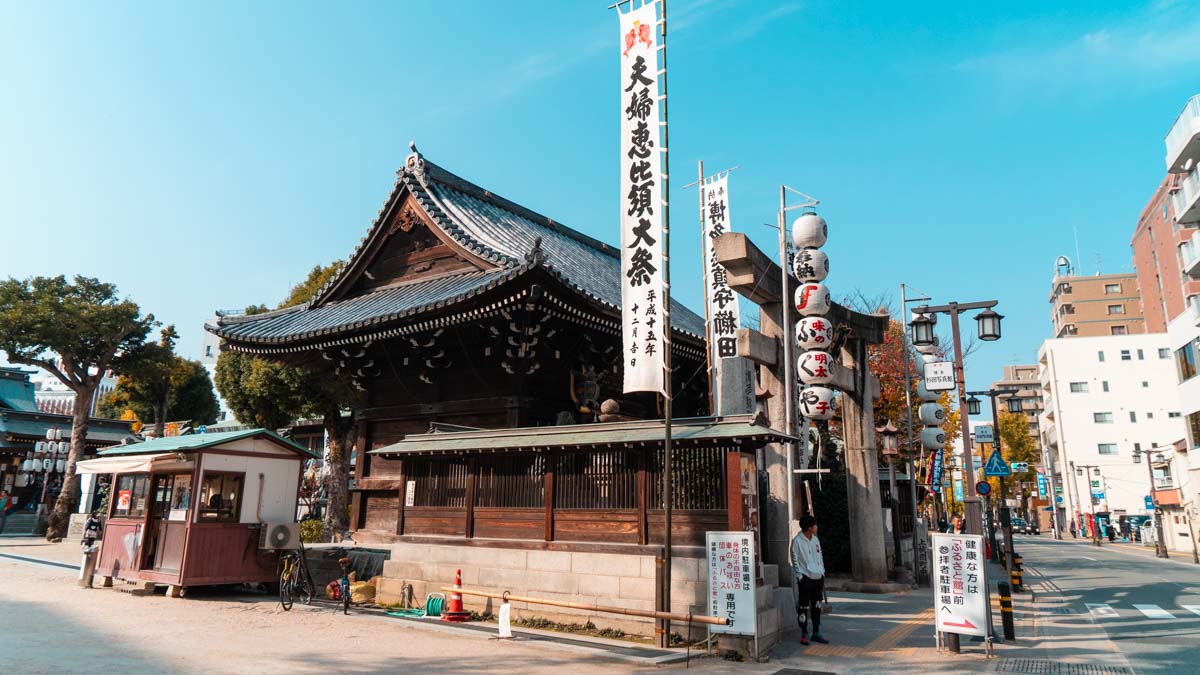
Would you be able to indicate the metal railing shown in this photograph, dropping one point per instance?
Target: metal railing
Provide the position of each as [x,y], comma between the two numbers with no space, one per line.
[1185,197]
[1181,130]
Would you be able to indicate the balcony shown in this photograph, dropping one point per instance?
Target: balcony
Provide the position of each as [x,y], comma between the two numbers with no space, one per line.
[1183,141]
[1185,197]
[1189,255]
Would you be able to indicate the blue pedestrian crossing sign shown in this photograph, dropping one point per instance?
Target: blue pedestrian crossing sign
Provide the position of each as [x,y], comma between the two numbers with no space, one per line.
[996,466]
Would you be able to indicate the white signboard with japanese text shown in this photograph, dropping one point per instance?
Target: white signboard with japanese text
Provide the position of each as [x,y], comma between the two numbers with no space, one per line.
[723,316]
[960,586]
[731,568]
[939,376]
[642,292]
[984,434]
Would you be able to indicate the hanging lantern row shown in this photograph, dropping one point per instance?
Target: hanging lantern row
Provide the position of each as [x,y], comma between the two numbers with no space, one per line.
[815,366]
[52,447]
[933,439]
[42,464]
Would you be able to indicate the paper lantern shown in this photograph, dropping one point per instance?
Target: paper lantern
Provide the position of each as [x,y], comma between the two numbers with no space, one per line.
[47,464]
[930,358]
[64,447]
[815,367]
[812,299]
[933,438]
[814,332]
[931,414]
[924,394]
[809,231]
[27,465]
[40,446]
[816,403]
[810,264]
[60,466]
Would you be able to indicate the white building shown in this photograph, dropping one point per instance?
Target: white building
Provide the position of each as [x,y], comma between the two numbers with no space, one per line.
[1106,398]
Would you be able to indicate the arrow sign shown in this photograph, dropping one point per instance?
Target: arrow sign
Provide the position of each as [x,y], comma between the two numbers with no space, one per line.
[996,466]
[966,623]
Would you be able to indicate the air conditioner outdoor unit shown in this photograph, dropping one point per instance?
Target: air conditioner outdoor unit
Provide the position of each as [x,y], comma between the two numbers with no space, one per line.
[279,536]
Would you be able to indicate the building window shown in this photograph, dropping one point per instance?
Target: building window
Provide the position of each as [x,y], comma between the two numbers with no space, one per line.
[1141,355]
[1193,424]
[1125,355]
[1079,387]
[1107,448]
[1102,418]
[1185,361]
[1104,385]
[1101,355]
[1173,415]
[1164,353]
[1149,415]
[1133,417]
[130,496]
[1145,384]
[220,497]
[1111,289]
[1116,309]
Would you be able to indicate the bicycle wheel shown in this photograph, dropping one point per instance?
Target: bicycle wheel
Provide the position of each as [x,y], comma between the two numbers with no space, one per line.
[303,590]
[346,603]
[285,589]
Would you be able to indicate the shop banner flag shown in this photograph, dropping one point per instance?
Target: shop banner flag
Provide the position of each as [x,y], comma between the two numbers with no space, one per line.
[643,312]
[723,317]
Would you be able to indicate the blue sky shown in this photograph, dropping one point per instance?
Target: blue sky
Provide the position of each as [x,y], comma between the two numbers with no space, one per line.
[207,156]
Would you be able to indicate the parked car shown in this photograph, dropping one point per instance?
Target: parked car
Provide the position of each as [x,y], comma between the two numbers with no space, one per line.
[1022,526]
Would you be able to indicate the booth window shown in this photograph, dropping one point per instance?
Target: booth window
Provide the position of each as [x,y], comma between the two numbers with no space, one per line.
[220,497]
[130,496]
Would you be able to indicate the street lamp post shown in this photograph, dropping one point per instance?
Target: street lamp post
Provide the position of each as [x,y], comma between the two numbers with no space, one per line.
[891,449]
[912,472]
[989,329]
[1160,547]
[1091,497]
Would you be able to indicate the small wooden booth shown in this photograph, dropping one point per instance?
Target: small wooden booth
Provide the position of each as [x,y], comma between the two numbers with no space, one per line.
[194,510]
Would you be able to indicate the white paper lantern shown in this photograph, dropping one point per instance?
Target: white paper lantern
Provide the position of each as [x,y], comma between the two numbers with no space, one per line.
[27,465]
[814,332]
[812,299]
[60,466]
[64,447]
[931,414]
[815,367]
[816,403]
[924,394]
[47,464]
[809,230]
[933,438]
[50,433]
[810,264]
[928,349]
[40,446]
[930,358]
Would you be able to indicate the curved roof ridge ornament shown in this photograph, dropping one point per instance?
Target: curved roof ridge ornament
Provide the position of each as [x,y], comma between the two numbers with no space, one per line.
[415,162]
[536,255]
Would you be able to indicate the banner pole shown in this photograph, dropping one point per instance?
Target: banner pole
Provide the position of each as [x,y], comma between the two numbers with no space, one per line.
[667,384]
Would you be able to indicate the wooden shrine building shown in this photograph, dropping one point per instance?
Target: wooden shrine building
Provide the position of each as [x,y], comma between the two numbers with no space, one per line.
[484,338]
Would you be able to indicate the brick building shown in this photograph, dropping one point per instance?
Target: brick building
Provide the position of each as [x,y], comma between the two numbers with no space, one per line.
[1091,306]
[1162,254]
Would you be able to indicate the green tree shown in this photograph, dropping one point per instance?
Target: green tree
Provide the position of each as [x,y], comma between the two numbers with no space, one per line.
[1016,445]
[158,385]
[76,330]
[274,394]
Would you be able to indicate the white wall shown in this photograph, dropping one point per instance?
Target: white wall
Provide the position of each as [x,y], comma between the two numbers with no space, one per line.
[281,477]
[1145,386]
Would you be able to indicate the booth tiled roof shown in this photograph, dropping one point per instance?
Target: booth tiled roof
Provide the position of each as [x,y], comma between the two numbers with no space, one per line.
[491,227]
[194,442]
[16,391]
[33,425]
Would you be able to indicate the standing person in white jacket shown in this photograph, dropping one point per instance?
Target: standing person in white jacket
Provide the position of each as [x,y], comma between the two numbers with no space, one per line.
[809,567]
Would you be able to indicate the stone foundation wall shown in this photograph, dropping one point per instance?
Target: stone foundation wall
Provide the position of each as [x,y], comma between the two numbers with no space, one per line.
[614,579]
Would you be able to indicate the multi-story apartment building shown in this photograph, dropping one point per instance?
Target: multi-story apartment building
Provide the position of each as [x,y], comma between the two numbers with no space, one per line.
[1105,304]
[1106,399]
[1163,255]
[1023,393]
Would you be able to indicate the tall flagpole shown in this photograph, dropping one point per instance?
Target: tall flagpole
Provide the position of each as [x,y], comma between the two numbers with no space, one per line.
[713,383]
[665,637]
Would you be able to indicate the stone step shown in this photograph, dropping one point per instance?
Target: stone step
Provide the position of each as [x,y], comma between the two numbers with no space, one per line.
[20,523]
[785,602]
[139,588]
[770,574]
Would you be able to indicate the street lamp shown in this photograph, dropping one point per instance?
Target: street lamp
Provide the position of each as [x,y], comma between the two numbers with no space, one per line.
[1014,405]
[891,449]
[973,405]
[989,325]
[922,327]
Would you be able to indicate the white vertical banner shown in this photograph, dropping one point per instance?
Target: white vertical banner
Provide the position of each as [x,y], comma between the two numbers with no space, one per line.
[723,316]
[642,311]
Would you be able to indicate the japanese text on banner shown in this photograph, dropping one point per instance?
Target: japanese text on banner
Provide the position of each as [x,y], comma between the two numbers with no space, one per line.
[643,307]
[723,316]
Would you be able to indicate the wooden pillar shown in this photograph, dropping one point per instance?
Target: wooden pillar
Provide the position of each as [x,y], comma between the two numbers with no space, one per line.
[867,545]
[400,507]
[472,469]
[733,490]
[361,445]
[642,496]
[551,462]
[773,524]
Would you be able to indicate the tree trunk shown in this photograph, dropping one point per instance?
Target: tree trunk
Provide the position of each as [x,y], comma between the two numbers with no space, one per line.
[68,499]
[340,437]
[160,421]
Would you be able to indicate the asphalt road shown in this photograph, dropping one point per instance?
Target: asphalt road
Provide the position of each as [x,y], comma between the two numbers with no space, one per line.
[1147,607]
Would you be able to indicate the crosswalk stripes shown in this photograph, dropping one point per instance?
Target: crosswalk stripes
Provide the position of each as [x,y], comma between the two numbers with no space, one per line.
[1154,612]
[1103,610]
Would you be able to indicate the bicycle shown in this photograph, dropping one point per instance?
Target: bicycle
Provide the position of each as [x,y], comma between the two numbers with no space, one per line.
[344,583]
[295,581]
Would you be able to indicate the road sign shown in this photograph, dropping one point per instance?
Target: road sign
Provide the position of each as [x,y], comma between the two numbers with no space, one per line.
[983,488]
[731,581]
[996,466]
[1041,482]
[939,376]
[960,584]
[1149,503]
[983,434]
[1058,499]
[1097,496]
[1019,467]
[958,490]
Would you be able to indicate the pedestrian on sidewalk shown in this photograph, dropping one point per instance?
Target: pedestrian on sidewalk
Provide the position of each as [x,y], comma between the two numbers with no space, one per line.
[1073,536]
[5,503]
[808,566]
[91,529]
[956,525]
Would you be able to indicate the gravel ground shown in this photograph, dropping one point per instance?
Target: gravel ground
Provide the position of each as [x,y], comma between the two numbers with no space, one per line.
[52,626]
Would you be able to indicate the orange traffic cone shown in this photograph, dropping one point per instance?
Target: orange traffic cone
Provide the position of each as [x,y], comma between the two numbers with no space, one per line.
[454,612]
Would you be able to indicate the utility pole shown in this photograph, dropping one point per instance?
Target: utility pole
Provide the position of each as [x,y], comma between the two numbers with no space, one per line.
[1092,499]
[1160,547]
[1005,516]
[912,467]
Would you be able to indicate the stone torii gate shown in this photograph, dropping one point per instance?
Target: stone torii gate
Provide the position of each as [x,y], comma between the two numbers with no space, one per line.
[757,277]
